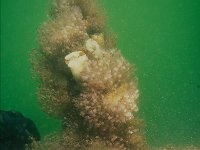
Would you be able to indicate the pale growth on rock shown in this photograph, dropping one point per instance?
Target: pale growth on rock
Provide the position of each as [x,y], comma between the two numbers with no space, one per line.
[76,61]
[93,47]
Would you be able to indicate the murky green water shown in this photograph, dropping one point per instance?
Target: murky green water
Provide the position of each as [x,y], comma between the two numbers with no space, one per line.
[162,38]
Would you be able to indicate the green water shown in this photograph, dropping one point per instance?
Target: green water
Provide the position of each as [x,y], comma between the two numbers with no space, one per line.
[162,39]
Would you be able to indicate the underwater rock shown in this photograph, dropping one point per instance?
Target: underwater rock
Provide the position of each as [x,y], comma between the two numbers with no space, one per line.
[16,131]
[85,81]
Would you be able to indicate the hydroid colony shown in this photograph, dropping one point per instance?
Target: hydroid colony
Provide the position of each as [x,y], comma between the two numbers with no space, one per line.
[85,81]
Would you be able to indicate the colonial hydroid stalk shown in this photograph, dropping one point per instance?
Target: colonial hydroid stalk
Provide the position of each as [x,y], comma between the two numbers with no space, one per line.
[85,81]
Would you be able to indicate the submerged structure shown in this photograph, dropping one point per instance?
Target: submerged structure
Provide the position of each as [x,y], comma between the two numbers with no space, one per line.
[85,81]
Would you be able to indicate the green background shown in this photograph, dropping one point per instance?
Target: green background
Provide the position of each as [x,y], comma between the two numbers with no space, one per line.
[162,39]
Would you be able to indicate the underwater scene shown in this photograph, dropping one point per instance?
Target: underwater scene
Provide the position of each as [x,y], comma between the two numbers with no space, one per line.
[100,75]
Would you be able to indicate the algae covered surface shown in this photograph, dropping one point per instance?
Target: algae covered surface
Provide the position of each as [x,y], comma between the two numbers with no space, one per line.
[160,38]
